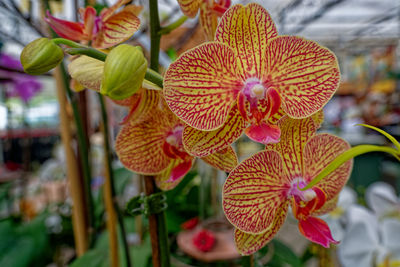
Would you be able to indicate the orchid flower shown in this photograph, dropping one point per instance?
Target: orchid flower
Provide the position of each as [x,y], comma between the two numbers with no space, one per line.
[210,10]
[104,31]
[154,147]
[246,81]
[382,199]
[369,243]
[258,192]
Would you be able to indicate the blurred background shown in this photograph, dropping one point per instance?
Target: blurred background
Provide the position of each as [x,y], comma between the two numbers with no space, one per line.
[35,203]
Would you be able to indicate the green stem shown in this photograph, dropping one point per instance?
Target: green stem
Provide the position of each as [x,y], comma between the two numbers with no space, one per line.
[172,26]
[87,52]
[108,152]
[347,155]
[67,42]
[154,34]
[155,37]
[154,77]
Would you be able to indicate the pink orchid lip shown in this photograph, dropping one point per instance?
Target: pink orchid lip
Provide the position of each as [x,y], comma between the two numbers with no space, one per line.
[173,145]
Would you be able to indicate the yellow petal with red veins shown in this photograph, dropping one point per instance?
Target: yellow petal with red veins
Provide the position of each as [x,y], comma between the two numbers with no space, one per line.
[294,136]
[224,160]
[255,191]
[117,29]
[201,86]
[318,118]
[208,21]
[190,7]
[247,244]
[321,150]
[247,29]
[140,110]
[87,71]
[107,12]
[140,146]
[203,143]
[305,74]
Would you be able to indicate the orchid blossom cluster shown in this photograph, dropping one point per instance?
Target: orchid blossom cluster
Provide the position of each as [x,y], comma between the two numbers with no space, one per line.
[245,79]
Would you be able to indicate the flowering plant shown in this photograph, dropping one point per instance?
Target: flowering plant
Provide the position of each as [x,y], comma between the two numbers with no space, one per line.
[245,79]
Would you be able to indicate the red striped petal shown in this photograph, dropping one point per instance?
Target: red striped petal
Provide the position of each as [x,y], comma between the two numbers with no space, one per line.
[294,136]
[190,7]
[224,160]
[141,105]
[140,146]
[208,21]
[305,74]
[254,192]
[321,150]
[201,86]
[247,29]
[203,143]
[249,243]
[118,28]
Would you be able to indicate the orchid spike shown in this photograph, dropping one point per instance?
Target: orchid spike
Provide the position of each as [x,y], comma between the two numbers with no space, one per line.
[153,146]
[210,10]
[246,80]
[106,30]
[258,192]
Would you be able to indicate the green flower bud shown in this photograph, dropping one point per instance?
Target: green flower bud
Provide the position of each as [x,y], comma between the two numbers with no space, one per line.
[40,56]
[124,72]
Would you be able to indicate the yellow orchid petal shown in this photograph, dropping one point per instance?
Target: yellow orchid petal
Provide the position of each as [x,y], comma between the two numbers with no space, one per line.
[321,150]
[203,143]
[201,86]
[225,159]
[190,7]
[208,21]
[305,74]
[140,146]
[247,29]
[254,192]
[117,29]
[294,136]
[247,244]
[87,71]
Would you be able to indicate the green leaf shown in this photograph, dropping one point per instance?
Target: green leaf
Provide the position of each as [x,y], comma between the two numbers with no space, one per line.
[93,258]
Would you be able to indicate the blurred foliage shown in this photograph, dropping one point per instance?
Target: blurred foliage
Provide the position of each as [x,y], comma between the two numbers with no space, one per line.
[24,244]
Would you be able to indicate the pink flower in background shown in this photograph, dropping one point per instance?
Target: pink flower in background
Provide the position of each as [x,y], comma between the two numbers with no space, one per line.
[19,85]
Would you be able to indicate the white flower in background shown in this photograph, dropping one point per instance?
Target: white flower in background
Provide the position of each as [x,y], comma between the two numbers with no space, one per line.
[336,219]
[371,239]
[382,199]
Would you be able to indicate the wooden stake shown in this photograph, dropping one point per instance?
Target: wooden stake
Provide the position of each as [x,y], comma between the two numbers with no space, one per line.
[78,210]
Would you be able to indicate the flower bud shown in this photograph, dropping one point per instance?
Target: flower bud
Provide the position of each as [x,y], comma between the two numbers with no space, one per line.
[40,56]
[124,72]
